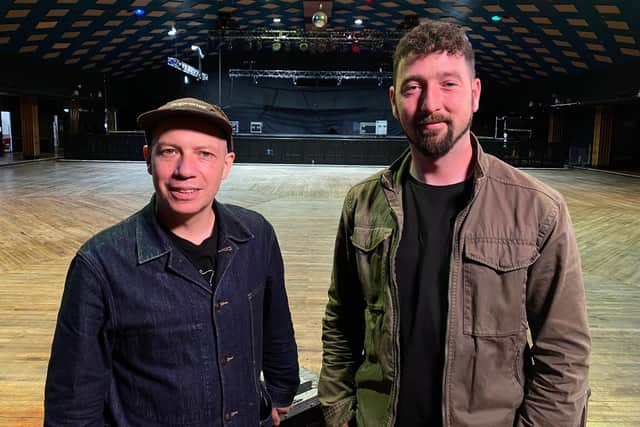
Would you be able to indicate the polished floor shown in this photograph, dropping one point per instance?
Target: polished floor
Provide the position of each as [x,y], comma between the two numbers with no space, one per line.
[48,208]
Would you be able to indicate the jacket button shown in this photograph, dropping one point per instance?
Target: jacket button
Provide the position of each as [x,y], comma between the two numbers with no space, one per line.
[227,359]
[218,305]
[229,415]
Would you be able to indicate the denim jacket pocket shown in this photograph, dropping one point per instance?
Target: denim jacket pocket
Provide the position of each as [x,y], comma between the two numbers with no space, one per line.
[495,277]
[256,303]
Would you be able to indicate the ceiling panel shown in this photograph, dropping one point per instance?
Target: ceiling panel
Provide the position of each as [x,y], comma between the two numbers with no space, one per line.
[535,38]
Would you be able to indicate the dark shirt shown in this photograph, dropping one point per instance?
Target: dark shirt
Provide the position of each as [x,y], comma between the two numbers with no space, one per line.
[202,256]
[422,264]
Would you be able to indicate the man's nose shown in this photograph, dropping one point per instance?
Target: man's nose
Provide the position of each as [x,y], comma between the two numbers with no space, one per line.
[186,165]
[431,99]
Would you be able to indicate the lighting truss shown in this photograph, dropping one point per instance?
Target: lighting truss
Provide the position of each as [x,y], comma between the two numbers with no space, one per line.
[370,38]
[300,74]
[186,68]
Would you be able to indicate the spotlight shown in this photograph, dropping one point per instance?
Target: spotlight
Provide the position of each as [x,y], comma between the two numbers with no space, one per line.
[304,46]
[276,46]
[172,32]
[355,47]
[277,20]
[186,80]
[138,12]
[319,19]
[496,18]
[196,48]
[358,21]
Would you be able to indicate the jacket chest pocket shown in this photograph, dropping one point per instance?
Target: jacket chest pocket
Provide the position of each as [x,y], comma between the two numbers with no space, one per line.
[495,277]
[372,260]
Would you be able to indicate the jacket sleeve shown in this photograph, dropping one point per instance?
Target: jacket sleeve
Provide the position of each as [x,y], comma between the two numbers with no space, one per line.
[280,353]
[79,368]
[343,329]
[557,386]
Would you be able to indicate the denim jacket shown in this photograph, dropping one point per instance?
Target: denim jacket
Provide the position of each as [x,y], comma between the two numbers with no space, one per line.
[142,339]
[514,273]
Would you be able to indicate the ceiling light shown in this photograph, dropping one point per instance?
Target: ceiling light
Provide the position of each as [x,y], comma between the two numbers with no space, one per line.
[186,80]
[277,20]
[172,32]
[319,19]
[496,18]
[358,21]
[138,12]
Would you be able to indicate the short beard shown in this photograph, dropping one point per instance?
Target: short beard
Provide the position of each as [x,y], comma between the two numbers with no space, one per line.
[429,146]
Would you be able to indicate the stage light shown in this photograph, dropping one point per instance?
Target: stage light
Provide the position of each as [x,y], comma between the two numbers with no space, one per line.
[304,46]
[276,46]
[172,32]
[186,80]
[358,21]
[496,18]
[277,20]
[196,48]
[319,19]
[355,47]
[138,12]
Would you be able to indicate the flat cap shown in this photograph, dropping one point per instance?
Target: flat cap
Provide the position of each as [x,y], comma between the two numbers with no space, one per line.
[190,108]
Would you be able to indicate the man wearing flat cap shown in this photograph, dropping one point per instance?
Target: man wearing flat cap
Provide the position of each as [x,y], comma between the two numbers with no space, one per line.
[171,316]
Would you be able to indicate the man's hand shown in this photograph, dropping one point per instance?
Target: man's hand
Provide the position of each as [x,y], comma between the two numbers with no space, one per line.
[276,412]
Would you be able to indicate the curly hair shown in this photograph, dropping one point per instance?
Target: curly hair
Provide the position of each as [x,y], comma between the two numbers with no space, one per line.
[434,37]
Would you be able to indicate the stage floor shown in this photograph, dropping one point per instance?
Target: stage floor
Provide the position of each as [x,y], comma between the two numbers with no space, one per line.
[50,208]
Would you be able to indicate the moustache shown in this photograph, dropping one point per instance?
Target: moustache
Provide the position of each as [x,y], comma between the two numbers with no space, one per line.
[433,118]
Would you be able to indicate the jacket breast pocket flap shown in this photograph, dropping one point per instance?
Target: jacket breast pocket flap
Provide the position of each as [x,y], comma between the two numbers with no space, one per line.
[495,277]
[367,238]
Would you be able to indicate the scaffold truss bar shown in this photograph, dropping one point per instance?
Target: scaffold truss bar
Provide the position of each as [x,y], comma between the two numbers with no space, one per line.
[300,74]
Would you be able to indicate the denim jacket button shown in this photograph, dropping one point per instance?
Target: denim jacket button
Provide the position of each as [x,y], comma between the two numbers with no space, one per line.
[227,359]
[229,415]
[218,305]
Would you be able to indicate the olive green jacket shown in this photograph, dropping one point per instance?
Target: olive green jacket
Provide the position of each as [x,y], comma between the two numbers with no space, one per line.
[517,339]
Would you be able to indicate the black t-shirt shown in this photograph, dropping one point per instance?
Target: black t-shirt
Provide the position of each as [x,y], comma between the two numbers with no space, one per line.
[422,266]
[202,256]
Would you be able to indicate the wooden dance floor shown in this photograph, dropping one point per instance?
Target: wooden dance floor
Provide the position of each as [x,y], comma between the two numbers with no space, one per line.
[48,209]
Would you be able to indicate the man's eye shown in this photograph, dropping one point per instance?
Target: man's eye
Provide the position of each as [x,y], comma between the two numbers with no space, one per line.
[167,151]
[411,88]
[206,154]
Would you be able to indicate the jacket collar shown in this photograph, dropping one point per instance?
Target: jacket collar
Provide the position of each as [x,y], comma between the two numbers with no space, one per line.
[392,176]
[152,241]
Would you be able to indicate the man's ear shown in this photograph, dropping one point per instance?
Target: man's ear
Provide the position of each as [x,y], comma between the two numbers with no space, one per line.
[146,152]
[392,99]
[228,163]
[476,88]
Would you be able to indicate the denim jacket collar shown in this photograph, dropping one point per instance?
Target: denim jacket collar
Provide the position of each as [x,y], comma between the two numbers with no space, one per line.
[152,242]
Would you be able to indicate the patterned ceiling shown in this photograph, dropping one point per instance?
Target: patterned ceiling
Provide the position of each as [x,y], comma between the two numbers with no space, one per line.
[535,39]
